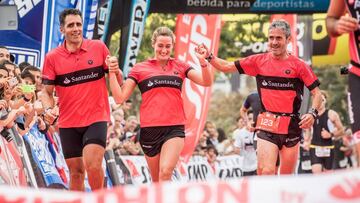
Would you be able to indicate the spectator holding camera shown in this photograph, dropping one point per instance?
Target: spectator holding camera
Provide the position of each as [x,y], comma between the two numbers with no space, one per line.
[342,18]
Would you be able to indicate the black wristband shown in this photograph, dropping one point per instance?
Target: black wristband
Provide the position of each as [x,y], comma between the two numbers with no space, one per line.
[314,112]
[210,57]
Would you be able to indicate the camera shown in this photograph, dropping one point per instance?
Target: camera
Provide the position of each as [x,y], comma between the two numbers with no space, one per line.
[6,134]
[12,82]
[344,70]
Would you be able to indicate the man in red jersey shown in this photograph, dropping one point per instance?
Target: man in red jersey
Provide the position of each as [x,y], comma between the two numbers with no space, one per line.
[76,70]
[280,79]
[338,22]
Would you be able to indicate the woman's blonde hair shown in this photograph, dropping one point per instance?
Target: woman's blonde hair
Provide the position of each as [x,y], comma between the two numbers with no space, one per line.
[162,31]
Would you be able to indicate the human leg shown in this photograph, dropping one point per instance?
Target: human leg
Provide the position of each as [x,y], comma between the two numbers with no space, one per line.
[288,159]
[77,173]
[169,157]
[153,163]
[93,153]
[267,153]
[71,142]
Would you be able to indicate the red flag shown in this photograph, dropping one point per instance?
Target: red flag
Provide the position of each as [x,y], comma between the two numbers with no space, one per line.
[191,30]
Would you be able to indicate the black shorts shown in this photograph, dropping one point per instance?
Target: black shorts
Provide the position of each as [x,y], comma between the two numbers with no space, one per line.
[73,140]
[152,138]
[288,140]
[354,102]
[326,162]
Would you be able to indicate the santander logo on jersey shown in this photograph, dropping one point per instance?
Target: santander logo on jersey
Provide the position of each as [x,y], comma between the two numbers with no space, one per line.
[277,84]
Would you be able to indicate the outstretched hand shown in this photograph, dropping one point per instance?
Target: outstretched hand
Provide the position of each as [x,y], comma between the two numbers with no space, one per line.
[201,52]
[346,24]
[307,120]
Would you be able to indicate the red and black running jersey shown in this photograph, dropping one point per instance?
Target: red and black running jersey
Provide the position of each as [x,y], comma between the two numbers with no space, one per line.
[162,104]
[79,83]
[280,85]
[354,41]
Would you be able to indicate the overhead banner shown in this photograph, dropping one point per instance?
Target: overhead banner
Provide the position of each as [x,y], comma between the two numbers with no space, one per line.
[191,30]
[240,6]
[39,27]
[139,11]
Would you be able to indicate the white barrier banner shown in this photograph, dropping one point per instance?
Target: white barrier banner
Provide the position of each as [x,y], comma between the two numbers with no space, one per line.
[342,186]
[138,169]
[198,169]
[229,167]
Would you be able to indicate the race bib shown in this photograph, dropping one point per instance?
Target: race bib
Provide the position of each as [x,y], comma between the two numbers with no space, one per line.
[267,121]
[322,152]
[306,165]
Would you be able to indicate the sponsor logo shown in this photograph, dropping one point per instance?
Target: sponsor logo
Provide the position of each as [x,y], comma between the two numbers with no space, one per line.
[176,73]
[90,62]
[81,78]
[66,81]
[277,84]
[291,139]
[163,82]
[288,71]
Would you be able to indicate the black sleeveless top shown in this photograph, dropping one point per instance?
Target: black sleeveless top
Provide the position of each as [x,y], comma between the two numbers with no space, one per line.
[321,122]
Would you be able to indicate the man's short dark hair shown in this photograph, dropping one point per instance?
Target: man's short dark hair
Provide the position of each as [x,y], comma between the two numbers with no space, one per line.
[66,12]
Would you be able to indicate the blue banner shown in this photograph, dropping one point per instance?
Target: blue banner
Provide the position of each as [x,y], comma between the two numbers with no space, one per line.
[289,6]
[239,6]
[42,156]
[139,11]
[103,19]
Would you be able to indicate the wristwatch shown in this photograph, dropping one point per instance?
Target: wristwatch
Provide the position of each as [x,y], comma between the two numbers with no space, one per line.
[314,112]
[210,57]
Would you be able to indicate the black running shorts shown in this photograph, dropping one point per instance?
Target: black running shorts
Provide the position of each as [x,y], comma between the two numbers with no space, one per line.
[152,138]
[73,140]
[289,140]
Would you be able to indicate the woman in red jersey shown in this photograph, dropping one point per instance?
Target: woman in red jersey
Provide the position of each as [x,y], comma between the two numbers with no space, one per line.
[162,116]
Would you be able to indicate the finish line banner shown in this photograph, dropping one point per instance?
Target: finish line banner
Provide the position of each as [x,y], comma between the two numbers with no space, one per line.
[340,186]
[191,30]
